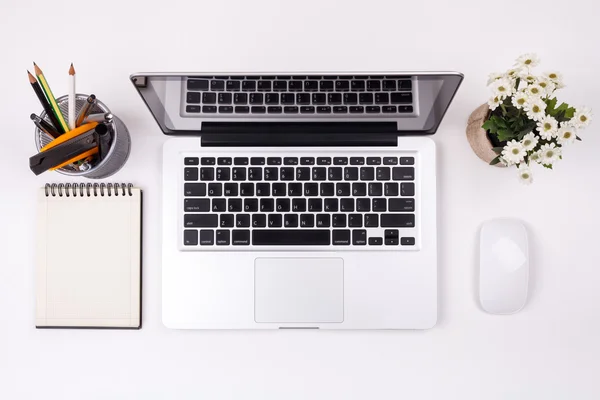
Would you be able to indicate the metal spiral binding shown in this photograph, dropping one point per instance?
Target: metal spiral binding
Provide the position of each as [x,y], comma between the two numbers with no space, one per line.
[88,189]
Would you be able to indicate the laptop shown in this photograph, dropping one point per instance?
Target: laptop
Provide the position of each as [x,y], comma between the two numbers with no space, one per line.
[299,200]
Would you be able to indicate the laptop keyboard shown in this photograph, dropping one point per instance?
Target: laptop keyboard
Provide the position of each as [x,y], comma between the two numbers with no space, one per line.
[339,201]
[299,96]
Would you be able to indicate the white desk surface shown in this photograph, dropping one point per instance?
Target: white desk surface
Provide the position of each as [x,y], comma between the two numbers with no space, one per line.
[550,350]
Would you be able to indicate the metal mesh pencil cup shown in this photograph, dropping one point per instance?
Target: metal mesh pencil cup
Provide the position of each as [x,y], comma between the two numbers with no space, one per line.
[119,149]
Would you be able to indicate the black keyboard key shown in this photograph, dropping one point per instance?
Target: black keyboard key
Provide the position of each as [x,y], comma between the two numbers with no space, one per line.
[259,221]
[342,85]
[391,189]
[196,205]
[246,189]
[405,109]
[311,189]
[403,173]
[207,174]
[390,160]
[200,220]
[331,205]
[249,85]
[190,237]
[375,241]
[382,98]
[227,221]
[280,86]
[191,161]
[373,85]
[307,237]
[303,98]
[272,98]
[208,161]
[230,189]
[323,220]
[250,205]
[359,189]
[193,98]
[216,85]
[258,109]
[342,189]
[190,174]
[340,160]
[197,84]
[264,86]
[380,204]
[407,189]
[290,110]
[365,98]
[339,220]
[209,98]
[256,98]
[311,86]
[407,160]
[326,86]
[234,205]
[319,98]
[359,237]
[350,98]
[389,109]
[373,109]
[401,98]
[391,237]
[323,160]
[240,161]
[225,98]
[273,160]
[242,109]
[319,174]
[357,109]
[290,220]
[275,220]
[240,98]
[347,205]
[267,205]
[357,161]
[340,110]
[315,205]
[407,241]
[294,189]
[367,173]
[232,85]
[402,204]
[282,205]
[363,204]
[389,85]
[383,173]
[238,174]
[257,161]
[223,173]
[307,161]
[295,86]
[255,174]
[219,205]
[242,220]
[240,237]
[336,173]
[357,85]
[373,160]
[279,189]
[299,205]
[375,189]
[194,189]
[371,220]
[303,173]
[397,220]
[340,237]
[287,174]
[323,110]
[287,98]
[307,110]
[404,85]
[224,161]
[351,173]
[209,109]
[274,110]
[307,221]
[222,237]
[327,189]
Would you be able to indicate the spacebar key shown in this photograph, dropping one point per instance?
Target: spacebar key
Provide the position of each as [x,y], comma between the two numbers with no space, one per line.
[287,237]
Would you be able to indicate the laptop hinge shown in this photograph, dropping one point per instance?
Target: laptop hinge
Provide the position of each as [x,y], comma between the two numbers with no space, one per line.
[310,140]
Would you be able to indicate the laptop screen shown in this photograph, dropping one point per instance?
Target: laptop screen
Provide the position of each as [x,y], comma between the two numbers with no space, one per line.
[403,103]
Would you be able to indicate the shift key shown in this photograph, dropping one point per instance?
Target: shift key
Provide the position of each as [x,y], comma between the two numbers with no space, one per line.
[200,220]
[398,220]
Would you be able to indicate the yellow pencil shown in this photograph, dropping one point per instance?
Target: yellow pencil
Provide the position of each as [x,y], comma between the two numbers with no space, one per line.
[50,97]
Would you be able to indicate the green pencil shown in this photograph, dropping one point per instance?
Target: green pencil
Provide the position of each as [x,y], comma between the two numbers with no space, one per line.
[50,97]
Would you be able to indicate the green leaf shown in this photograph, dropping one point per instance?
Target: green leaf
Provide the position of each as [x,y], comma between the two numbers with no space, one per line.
[549,166]
[489,125]
[497,150]
[495,161]
[550,104]
[505,135]
[498,121]
[569,113]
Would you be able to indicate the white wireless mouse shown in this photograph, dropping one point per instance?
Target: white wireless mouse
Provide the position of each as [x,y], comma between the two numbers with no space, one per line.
[503,266]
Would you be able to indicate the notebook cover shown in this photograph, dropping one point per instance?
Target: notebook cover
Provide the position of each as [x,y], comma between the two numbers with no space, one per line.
[88,267]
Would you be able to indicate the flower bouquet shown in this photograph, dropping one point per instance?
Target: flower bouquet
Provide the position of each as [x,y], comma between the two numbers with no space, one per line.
[525,124]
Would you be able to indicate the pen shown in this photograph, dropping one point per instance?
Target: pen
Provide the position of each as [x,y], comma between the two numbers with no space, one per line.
[44,126]
[72,99]
[107,117]
[51,99]
[45,104]
[85,110]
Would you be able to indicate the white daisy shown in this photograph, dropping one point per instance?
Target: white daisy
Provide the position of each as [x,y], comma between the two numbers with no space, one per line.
[548,127]
[514,152]
[549,153]
[535,108]
[502,87]
[582,117]
[525,174]
[529,141]
[493,76]
[529,60]
[513,73]
[519,100]
[535,157]
[535,90]
[494,102]
[555,77]
[566,133]
[527,77]
[547,85]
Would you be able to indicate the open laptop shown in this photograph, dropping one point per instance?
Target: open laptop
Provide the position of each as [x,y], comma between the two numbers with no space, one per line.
[299,200]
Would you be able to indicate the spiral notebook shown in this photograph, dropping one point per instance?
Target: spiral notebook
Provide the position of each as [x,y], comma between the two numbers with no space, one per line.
[88,267]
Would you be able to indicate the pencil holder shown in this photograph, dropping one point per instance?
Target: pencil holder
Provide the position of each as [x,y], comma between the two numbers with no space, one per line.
[119,149]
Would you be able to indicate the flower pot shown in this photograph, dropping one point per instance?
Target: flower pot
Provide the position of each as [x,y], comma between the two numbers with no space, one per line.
[477,136]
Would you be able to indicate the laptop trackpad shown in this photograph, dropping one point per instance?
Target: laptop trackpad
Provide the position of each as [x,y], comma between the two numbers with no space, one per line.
[299,290]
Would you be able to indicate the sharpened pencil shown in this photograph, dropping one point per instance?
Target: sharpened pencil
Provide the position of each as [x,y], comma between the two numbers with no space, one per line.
[72,99]
[45,104]
[50,97]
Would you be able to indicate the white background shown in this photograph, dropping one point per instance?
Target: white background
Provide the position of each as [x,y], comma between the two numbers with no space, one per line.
[550,350]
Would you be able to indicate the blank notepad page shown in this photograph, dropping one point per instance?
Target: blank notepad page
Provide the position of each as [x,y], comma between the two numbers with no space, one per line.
[88,258]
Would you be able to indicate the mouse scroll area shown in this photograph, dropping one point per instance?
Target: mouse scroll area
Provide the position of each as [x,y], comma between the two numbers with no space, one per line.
[299,290]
